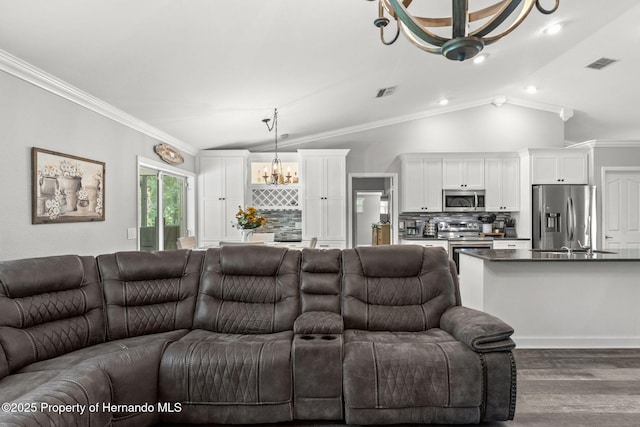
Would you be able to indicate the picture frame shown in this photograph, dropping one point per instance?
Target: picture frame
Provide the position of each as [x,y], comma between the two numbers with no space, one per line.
[66,188]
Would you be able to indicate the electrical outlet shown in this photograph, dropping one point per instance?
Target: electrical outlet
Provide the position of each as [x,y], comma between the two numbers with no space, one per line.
[132,233]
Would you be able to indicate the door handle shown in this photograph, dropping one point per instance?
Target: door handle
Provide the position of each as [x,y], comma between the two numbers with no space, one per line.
[571,218]
[608,237]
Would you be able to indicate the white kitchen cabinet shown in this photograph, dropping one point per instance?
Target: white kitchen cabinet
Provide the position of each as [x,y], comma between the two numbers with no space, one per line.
[221,186]
[563,166]
[427,243]
[421,185]
[466,174]
[324,180]
[329,244]
[502,184]
[511,244]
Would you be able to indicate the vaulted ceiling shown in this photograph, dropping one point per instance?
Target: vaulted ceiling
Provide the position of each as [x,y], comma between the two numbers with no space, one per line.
[206,72]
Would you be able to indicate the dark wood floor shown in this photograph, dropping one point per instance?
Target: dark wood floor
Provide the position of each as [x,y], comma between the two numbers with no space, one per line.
[570,388]
[577,388]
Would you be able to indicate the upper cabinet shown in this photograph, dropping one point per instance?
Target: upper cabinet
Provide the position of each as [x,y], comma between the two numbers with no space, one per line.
[563,166]
[466,174]
[324,202]
[221,187]
[502,180]
[421,185]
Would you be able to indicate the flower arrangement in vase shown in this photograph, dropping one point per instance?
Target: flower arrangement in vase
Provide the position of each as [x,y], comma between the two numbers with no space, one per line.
[248,220]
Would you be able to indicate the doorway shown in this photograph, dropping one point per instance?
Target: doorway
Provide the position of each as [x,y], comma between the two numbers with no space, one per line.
[165,200]
[620,208]
[371,201]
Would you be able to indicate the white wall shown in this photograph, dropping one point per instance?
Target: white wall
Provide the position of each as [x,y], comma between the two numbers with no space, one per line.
[32,117]
[485,128]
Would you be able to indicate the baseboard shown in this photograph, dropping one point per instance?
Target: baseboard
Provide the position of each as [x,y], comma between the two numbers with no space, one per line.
[576,342]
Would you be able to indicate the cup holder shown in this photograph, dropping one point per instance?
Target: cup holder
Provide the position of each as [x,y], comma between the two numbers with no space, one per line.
[307,337]
[328,337]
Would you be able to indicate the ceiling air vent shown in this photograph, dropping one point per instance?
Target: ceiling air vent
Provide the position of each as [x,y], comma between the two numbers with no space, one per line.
[386,91]
[599,64]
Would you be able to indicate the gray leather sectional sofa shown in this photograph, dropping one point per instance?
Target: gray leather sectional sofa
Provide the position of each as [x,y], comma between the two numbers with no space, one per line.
[248,334]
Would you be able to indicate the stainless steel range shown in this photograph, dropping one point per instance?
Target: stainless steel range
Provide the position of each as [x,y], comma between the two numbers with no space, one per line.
[463,234]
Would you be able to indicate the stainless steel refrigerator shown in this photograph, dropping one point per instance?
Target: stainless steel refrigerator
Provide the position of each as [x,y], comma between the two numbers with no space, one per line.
[563,215]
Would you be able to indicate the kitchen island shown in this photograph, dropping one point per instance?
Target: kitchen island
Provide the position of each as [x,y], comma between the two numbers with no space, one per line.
[557,300]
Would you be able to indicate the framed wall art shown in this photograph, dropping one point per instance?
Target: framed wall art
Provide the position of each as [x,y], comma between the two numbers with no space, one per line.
[66,188]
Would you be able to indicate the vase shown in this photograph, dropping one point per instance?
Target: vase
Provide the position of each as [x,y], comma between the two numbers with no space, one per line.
[82,206]
[70,185]
[92,192]
[48,185]
[245,233]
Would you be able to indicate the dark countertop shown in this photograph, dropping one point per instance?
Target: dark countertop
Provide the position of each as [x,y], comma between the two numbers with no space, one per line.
[455,238]
[525,255]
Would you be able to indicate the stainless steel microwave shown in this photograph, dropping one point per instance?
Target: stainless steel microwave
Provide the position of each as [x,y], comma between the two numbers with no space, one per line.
[463,200]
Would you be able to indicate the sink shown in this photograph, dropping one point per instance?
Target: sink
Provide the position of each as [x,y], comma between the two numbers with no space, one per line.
[575,251]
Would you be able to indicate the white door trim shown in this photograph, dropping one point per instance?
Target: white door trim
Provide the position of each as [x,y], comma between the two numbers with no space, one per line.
[603,175]
[394,202]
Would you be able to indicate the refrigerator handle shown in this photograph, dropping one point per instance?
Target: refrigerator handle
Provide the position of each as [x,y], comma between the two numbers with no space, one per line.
[571,219]
[540,228]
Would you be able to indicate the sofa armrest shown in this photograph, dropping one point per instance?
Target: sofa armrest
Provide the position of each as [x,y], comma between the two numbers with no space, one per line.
[480,331]
[318,322]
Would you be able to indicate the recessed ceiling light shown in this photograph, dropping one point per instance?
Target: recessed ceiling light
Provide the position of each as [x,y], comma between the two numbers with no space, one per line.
[479,59]
[443,101]
[531,89]
[553,29]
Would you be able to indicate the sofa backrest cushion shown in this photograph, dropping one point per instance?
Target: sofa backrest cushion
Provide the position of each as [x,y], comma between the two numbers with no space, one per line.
[149,292]
[321,280]
[396,287]
[248,289]
[48,307]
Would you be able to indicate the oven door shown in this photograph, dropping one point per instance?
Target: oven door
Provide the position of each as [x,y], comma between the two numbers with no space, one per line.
[455,247]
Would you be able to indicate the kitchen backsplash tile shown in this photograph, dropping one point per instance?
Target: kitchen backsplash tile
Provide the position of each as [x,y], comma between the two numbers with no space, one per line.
[420,219]
[285,223]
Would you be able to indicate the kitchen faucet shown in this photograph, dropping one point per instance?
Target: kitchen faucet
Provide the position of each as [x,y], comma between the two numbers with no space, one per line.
[569,250]
[587,247]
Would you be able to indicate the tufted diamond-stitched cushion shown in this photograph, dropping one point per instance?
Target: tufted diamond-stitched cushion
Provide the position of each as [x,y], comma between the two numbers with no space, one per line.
[48,307]
[148,293]
[396,288]
[248,290]
[208,371]
[420,369]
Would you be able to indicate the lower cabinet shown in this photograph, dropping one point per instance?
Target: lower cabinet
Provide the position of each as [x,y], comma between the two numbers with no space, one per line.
[331,244]
[427,243]
[511,244]
[381,234]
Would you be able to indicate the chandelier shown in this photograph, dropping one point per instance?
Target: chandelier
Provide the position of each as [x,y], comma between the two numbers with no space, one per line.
[276,176]
[465,42]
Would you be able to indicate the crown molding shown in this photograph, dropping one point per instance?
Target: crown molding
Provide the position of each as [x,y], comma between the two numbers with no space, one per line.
[23,70]
[606,143]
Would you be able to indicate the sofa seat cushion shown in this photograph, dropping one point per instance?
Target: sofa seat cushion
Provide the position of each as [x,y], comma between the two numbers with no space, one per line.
[71,359]
[228,378]
[419,369]
[62,400]
[16,385]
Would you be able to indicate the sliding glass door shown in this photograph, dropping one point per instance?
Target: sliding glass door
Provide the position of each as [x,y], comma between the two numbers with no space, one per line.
[162,207]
